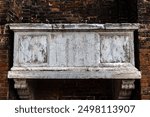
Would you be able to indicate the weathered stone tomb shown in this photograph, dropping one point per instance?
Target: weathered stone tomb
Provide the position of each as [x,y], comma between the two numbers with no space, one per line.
[73,51]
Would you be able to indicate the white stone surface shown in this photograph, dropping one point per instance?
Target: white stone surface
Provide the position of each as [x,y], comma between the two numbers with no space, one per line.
[71,51]
[32,49]
[103,73]
[80,26]
[74,49]
[115,48]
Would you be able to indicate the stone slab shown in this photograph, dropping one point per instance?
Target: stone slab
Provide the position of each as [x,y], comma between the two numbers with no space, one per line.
[103,73]
[80,26]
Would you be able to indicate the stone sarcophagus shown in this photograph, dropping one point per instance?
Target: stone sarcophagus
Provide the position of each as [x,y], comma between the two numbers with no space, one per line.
[74,51]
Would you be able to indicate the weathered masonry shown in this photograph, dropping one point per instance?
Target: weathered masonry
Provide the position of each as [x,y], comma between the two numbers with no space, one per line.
[73,51]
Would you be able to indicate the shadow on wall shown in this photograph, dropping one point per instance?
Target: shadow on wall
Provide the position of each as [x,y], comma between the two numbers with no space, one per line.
[73,89]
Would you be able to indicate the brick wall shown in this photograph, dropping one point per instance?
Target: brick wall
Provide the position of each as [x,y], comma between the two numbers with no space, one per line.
[14,11]
[3,51]
[68,11]
[74,11]
[9,12]
[144,49]
[71,11]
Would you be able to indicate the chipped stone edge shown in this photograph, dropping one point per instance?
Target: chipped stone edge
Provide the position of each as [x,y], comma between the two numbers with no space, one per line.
[103,73]
[79,26]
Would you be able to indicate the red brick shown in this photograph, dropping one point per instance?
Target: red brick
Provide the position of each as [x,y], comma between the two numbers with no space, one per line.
[145,97]
[144,84]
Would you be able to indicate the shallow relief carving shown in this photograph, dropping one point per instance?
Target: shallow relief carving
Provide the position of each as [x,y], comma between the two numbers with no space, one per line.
[32,49]
[115,48]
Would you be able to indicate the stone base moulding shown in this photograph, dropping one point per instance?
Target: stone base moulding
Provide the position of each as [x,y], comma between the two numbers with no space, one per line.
[74,51]
[104,73]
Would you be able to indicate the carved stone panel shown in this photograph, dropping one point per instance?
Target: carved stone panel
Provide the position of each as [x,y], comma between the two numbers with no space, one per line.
[74,49]
[32,50]
[115,49]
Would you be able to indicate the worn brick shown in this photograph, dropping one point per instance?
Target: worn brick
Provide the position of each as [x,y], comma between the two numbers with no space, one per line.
[3,50]
[145,97]
[144,84]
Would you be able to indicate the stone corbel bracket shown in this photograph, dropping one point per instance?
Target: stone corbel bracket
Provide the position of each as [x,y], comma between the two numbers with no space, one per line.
[126,89]
[24,89]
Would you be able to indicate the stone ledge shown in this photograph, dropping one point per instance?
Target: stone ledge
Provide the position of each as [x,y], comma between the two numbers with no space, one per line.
[104,73]
[80,26]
